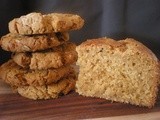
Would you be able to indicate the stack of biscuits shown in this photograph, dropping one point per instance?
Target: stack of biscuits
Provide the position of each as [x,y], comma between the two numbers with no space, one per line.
[41,64]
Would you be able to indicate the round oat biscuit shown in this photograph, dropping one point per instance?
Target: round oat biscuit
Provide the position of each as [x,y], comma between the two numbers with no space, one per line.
[62,55]
[36,23]
[15,75]
[32,43]
[54,90]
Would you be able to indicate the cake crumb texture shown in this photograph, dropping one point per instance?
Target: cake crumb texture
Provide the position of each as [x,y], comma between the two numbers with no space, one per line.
[125,71]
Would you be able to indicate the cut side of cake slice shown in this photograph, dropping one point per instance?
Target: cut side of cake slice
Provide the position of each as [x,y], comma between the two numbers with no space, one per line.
[123,71]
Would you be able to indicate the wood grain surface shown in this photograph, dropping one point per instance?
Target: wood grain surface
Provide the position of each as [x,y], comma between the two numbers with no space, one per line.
[72,106]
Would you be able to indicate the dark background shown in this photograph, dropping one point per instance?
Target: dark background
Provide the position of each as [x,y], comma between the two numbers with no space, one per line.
[118,19]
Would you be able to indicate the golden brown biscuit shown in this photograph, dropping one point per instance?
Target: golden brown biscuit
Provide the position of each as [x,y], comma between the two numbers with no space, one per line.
[54,90]
[62,55]
[20,43]
[15,75]
[36,23]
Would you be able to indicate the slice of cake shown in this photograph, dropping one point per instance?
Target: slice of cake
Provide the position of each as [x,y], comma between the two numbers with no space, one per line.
[124,71]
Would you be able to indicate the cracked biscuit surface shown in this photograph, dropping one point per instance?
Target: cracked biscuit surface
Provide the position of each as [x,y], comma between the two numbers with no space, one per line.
[54,90]
[32,43]
[16,76]
[36,23]
[54,58]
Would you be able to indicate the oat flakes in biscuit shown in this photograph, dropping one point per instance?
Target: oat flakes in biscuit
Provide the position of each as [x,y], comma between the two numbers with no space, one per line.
[15,75]
[36,23]
[32,43]
[62,55]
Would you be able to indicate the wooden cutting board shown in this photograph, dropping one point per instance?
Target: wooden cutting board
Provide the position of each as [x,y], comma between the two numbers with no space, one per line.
[72,106]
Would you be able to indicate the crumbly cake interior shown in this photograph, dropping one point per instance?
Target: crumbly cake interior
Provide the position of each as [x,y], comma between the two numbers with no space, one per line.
[117,71]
